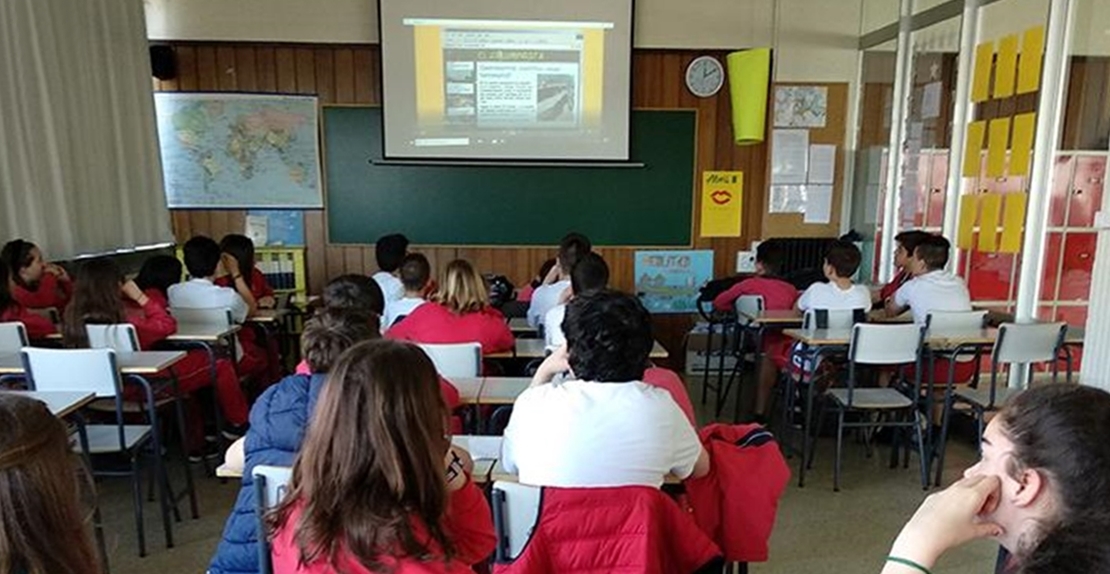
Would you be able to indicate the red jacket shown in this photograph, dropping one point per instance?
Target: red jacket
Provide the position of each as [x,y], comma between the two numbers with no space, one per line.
[259,286]
[467,522]
[50,292]
[38,327]
[736,502]
[434,323]
[629,529]
[778,295]
[152,321]
[891,288]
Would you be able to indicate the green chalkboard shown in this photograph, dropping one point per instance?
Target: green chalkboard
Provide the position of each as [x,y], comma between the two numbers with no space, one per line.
[510,205]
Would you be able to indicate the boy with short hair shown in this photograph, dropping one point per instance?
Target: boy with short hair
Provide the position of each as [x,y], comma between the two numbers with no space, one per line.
[202,259]
[415,274]
[841,263]
[932,288]
[591,273]
[389,251]
[778,295]
[573,247]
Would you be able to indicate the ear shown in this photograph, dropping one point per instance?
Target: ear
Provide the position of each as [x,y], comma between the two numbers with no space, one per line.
[1031,486]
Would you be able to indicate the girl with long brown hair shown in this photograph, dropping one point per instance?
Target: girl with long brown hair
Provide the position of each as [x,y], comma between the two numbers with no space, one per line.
[458,313]
[43,527]
[377,486]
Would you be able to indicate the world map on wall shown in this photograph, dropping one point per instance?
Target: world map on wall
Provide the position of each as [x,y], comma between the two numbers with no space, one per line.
[239,150]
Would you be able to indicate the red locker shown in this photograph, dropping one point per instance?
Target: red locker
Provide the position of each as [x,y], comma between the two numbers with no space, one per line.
[1053,251]
[1061,190]
[990,276]
[1079,259]
[1086,190]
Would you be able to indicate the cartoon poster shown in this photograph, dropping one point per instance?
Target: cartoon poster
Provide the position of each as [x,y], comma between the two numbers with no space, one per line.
[669,281]
[721,203]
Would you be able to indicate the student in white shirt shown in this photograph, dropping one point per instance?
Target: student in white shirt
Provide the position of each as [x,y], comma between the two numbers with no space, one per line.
[550,294]
[390,251]
[588,275]
[841,263]
[932,288]
[604,426]
[203,259]
[415,276]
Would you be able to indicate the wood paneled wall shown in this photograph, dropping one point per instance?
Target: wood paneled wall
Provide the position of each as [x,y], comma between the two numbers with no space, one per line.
[351,75]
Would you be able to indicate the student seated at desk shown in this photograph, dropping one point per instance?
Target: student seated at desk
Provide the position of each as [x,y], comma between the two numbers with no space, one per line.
[35,284]
[458,313]
[384,493]
[44,527]
[389,251]
[261,360]
[906,243]
[416,274]
[525,293]
[590,274]
[279,419]
[38,327]
[933,289]
[203,259]
[778,295]
[605,427]
[572,248]
[104,297]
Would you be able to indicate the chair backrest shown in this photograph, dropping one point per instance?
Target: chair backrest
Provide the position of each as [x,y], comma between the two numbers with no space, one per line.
[833,318]
[13,337]
[120,337]
[886,344]
[220,316]
[1028,342]
[747,306]
[270,487]
[955,321]
[455,360]
[88,370]
[516,508]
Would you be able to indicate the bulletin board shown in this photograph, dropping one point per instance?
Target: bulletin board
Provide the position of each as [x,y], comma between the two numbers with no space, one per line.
[832,133]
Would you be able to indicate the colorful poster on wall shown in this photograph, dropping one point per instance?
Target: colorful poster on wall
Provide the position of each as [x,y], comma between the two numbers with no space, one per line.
[669,281]
[284,228]
[722,200]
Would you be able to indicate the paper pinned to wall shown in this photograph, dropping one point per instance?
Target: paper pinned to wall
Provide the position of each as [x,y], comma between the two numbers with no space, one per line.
[969,211]
[1013,222]
[1005,68]
[787,199]
[822,163]
[1029,65]
[789,156]
[930,100]
[981,78]
[818,204]
[801,106]
[257,229]
[1021,146]
[998,141]
[990,211]
[974,148]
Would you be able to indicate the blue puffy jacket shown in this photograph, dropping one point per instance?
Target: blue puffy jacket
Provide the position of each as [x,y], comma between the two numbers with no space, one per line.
[278,422]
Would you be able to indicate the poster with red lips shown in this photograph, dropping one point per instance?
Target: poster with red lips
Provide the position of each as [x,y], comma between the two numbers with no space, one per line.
[722,200]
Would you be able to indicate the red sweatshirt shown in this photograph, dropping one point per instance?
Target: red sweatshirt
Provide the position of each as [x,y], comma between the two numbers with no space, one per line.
[38,327]
[778,295]
[50,292]
[259,286]
[467,522]
[152,321]
[434,323]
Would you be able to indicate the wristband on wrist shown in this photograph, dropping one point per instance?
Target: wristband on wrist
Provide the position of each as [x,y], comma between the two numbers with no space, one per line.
[236,276]
[910,563]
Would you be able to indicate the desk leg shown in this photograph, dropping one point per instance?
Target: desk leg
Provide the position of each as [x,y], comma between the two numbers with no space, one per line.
[179,411]
[758,367]
[708,360]
[98,522]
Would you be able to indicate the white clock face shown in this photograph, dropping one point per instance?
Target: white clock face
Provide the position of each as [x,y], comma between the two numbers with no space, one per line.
[705,76]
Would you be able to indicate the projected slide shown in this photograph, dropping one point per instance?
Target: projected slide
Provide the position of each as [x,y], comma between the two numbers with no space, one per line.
[506,88]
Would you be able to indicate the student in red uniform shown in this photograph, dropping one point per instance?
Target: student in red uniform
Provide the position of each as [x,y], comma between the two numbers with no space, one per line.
[103,297]
[778,295]
[38,327]
[906,243]
[35,284]
[458,313]
[386,492]
[261,358]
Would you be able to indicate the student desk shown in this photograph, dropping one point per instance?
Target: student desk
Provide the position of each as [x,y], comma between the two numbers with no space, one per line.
[502,390]
[519,326]
[138,363]
[758,324]
[534,349]
[204,337]
[469,388]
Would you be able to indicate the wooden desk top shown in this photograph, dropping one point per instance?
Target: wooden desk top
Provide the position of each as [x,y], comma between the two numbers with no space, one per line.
[534,349]
[502,390]
[469,388]
[60,403]
[267,316]
[519,325]
[820,337]
[187,332]
[936,339]
[138,363]
[775,317]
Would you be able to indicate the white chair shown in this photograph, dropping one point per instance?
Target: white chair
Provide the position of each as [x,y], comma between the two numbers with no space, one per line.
[833,318]
[96,371]
[13,337]
[270,487]
[881,345]
[120,337]
[746,307]
[516,509]
[455,360]
[220,316]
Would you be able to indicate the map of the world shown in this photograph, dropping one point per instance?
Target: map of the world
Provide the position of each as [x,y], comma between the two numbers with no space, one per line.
[239,150]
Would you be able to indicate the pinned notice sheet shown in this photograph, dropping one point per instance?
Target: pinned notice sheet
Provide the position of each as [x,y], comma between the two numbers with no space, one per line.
[1029,66]
[981,79]
[818,204]
[989,213]
[969,206]
[822,163]
[1005,68]
[999,140]
[1022,146]
[722,194]
[789,156]
[974,148]
[1013,222]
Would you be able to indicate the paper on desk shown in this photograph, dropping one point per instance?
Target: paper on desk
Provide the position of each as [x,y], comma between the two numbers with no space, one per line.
[479,447]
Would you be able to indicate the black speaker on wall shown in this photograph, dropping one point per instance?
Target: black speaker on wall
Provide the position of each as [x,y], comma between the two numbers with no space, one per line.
[163,62]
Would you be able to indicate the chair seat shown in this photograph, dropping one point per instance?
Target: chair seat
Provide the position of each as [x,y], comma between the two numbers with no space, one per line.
[872,398]
[981,397]
[104,439]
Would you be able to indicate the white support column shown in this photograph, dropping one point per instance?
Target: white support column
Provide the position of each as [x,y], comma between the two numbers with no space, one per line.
[1096,343]
[961,114]
[903,70]
[1049,120]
